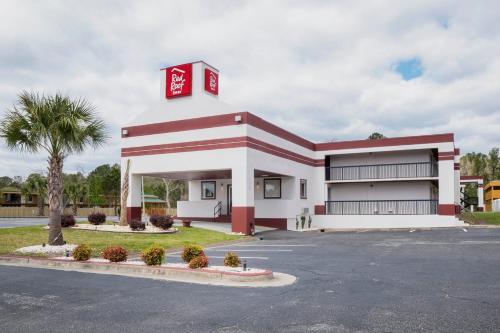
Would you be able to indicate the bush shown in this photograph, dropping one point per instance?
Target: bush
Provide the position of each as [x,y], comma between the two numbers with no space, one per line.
[137,225]
[199,262]
[97,218]
[190,252]
[232,260]
[153,256]
[67,220]
[115,254]
[161,221]
[82,252]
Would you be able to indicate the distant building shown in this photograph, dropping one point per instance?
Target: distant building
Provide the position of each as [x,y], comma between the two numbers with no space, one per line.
[492,196]
[13,196]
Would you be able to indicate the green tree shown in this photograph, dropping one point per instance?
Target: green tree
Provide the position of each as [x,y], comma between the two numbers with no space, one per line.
[75,189]
[376,136]
[494,163]
[105,184]
[37,184]
[5,181]
[59,126]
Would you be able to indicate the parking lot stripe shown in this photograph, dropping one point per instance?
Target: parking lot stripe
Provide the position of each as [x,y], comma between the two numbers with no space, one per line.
[256,250]
[275,245]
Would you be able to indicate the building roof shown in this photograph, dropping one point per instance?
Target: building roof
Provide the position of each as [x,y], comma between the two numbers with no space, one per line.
[492,183]
[10,189]
[150,198]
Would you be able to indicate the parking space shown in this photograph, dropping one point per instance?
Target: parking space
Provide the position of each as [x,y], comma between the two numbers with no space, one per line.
[421,281]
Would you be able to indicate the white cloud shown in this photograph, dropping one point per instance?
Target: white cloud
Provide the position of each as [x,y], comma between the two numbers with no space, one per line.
[322,69]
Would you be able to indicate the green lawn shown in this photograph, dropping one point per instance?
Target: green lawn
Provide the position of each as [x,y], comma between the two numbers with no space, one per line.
[14,238]
[482,218]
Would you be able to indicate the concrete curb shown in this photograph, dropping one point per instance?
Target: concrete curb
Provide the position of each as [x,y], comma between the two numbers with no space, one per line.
[201,276]
[392,229]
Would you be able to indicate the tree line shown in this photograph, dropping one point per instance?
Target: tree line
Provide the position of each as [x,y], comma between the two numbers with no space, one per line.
[480,164]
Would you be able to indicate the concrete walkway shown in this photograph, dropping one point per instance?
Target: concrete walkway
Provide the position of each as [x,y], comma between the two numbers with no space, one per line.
[222,227]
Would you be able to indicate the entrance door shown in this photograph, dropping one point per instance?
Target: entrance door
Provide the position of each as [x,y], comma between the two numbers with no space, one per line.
[229,199]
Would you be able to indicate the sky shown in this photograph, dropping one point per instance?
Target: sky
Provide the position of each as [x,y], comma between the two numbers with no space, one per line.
[326,70]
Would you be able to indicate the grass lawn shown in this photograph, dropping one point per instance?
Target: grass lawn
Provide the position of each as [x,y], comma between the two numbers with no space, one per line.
[14,238]
[482,218]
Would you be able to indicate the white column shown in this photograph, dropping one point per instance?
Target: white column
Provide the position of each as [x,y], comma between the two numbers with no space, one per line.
[446,187]
[480,195]
[243,212]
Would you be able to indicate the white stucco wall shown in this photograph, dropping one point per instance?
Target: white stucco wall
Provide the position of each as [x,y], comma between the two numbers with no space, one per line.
[417,190]
[387,157]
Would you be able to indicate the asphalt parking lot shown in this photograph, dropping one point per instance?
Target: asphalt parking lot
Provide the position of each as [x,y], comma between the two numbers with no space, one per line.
[423,281]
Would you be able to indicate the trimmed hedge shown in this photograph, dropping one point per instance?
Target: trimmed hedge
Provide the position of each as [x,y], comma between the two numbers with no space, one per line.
[96,218]
[67,220]
[82,252]
[199,262]
[137,225]
[153,256]
[231,259]
[161,221]
[115,254]
[190,252]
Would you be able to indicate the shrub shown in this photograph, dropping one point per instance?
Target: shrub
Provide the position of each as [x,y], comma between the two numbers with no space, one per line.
[232,260]
[137,225]
[199,262]
[191,251]
[153,256]
[82,252]
[115,253]
[161,221]
[67,220]
[97,218]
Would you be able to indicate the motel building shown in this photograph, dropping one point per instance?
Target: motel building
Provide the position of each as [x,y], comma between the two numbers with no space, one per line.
[244,170]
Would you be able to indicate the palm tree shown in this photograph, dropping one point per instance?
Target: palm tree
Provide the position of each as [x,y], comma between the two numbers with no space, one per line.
[59,126]
[75,192]
[36,183]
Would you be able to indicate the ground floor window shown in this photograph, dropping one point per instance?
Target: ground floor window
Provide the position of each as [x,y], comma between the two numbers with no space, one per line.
[303,189]
[208,190]
[272,188]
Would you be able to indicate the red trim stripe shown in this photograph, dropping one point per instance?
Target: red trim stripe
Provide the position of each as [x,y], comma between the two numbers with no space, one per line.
[400,141]
[225,143]
[257,122]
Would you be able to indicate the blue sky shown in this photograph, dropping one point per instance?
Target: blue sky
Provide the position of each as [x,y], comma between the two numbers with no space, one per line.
[325,70]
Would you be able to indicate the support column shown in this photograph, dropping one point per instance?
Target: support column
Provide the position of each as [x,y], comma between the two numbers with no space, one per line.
[134,209]
[480,196]
[243,212]
[319,190]
[446,183]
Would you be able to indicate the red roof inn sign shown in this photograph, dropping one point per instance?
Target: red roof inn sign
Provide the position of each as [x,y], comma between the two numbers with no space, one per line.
[211,81]
[179,80]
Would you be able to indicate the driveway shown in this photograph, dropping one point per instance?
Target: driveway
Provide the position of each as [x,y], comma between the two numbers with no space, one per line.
[428,281]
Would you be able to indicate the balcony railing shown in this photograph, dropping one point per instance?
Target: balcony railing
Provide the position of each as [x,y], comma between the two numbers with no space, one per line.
[382,171]
[382,207]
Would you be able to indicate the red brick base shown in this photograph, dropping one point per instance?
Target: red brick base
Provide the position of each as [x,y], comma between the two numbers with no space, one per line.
[243,220]
[446,209]
[134,213]
[319,210]
[272,222]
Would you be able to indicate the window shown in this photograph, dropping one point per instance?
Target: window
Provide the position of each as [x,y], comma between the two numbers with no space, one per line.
[208,190]
[303,189]
[272,188]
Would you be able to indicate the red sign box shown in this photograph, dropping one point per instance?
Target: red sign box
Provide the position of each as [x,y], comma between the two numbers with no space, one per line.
[179,80]
[211,81]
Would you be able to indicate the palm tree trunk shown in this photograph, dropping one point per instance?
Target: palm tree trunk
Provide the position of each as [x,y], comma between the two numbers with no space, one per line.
[41,205]
[75,208]
[55,200]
